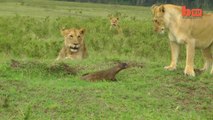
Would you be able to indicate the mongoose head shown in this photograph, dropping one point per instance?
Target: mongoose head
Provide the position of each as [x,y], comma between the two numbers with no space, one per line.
[123,65]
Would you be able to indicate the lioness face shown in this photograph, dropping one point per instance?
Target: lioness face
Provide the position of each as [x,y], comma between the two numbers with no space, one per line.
[159,25]
[158,12]
[114,21]
[73,38]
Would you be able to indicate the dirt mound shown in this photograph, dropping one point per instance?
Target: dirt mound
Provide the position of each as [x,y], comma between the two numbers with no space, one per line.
[64,68]
[53,69]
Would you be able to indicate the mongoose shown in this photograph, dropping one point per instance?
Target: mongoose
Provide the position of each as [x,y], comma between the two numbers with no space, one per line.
[108,74]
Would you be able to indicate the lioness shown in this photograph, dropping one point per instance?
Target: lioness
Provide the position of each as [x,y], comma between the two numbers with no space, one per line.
[74,46]
[114,23]
[193,32]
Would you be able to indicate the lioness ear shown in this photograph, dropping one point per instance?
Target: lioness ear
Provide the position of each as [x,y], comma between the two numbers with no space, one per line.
[153,8]
[162,9]
[64,31]
[110,17]
[82,31]
[117,18]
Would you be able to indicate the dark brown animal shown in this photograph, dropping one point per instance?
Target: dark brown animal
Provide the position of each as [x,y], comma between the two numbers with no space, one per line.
[108,74]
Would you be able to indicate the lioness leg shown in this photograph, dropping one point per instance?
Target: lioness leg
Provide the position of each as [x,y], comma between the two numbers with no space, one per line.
[61,54]
[190,52]
[110,27]
[207,58]
[212,59]
[120,31]
[175,49]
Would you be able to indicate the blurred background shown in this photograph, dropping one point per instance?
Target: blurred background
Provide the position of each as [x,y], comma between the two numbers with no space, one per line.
[206,4]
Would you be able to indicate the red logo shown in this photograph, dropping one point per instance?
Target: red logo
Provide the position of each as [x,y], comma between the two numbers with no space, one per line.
[194,12]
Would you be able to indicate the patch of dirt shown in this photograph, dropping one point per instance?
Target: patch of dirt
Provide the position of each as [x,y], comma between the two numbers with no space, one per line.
[15,64]
[197,96]
[189,94]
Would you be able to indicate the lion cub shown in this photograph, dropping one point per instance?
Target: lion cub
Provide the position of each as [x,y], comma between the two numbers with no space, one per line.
[74,46]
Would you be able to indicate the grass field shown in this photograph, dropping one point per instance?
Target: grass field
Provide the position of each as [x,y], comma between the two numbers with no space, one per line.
[29,33]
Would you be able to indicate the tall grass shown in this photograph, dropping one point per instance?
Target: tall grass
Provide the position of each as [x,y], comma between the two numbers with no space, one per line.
[40,37]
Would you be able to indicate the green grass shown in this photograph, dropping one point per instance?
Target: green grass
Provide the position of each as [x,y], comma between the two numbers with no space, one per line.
[29,33]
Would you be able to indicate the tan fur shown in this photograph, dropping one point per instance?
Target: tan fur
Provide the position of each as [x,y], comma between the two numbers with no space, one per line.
[194,32]
[114,24]
[74,46]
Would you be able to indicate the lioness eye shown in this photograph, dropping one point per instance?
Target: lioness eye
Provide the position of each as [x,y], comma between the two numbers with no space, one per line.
[71,35]
[156,22]
[79,36]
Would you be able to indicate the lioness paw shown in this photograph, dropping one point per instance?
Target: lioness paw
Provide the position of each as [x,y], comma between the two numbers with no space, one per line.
[189,72]
[170,67]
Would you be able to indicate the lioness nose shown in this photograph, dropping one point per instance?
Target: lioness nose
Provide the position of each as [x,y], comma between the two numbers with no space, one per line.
[75,43]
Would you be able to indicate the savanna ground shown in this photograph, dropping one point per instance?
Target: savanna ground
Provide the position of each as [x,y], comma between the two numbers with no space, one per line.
[39,88]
